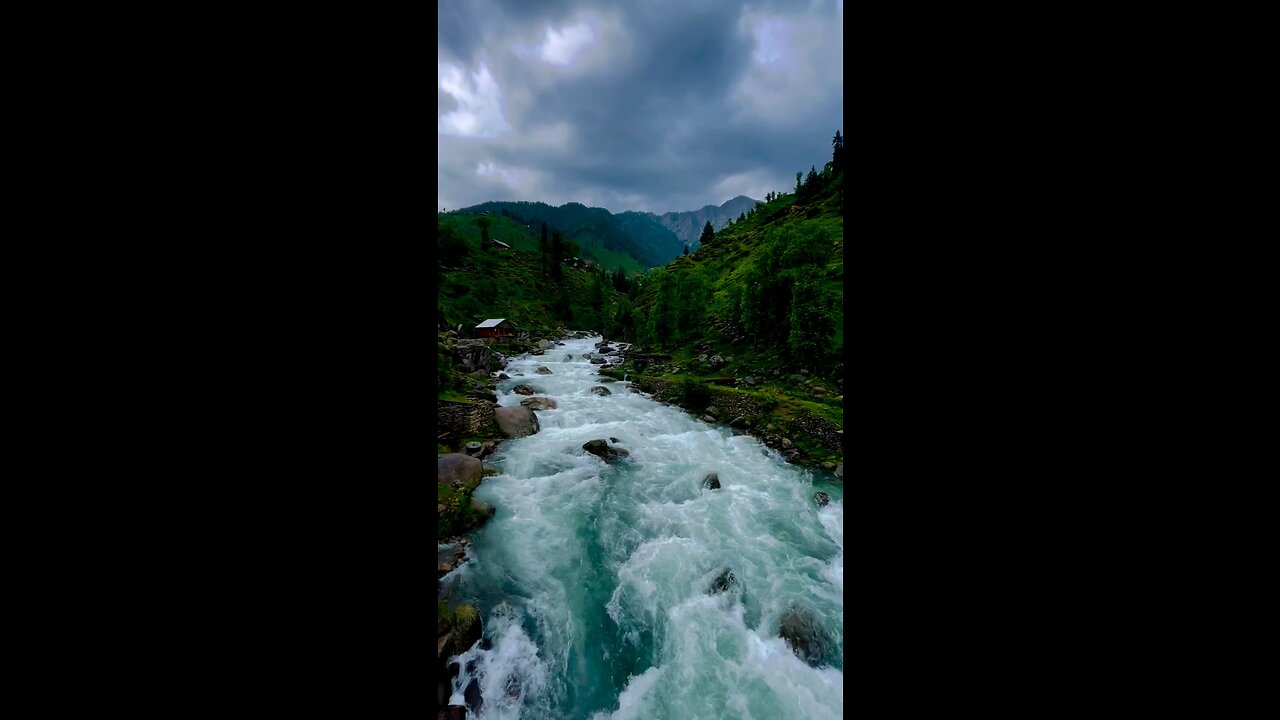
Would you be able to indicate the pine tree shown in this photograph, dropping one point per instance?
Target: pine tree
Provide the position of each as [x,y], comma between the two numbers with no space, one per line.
[837,154]
[707,233]
[484,222]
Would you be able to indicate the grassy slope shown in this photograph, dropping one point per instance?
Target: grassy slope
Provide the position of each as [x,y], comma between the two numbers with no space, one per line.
[729,257]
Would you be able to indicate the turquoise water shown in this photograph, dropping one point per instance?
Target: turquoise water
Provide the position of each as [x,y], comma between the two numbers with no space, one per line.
[593,578]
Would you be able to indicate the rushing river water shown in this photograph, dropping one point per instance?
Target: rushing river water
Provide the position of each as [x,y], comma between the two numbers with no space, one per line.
[593,579]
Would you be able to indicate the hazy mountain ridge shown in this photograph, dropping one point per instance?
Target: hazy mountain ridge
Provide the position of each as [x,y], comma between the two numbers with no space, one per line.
[603,236]
[687,225]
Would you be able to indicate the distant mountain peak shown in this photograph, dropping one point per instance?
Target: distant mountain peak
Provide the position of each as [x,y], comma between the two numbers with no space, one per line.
[688,225]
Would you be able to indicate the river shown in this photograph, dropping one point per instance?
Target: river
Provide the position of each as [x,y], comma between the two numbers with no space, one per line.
[593,579]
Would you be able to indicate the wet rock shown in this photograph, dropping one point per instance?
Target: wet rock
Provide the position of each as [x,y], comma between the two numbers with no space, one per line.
[539,403]
[829,466]
[840,470]
[607,379]
[601,449]
[453,712]
[723,582]
[538,352]
[708,419]
[805,636]
[516,421]
[481,509]
[567,358]
[601,391]
[821,498]
[544,344]
[543,370]
[523,390]
[457,470]
[598,361]
[713,411]
[473,448]
[467,628]
[711,481]
[739,422]
[613,439]
[472,696]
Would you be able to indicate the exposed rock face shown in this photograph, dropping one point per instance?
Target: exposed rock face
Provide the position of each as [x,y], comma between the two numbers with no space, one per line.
[602,450]
[461,419]
[723,582]
[539,403]
[517,421]
[523,390]
[712,481]
[805,636]
[475,356]
[457,470]
[543,370]
[467,628]
[601,391]
[821,498]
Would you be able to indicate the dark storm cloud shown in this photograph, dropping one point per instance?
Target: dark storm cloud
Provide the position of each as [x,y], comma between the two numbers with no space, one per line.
[658,106]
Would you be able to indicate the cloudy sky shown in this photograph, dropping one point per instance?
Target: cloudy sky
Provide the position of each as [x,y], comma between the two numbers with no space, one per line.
[653,105]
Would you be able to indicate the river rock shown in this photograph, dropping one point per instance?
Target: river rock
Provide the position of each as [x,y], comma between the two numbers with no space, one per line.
[524,389]
[708,419]
[821,498]
[472,696]
[601,449]
[543,370]
[517,421]
[567,358]
[457,470]
[474,448]
[598,361]
[613,439]
[805,636]
[723,582]
[475,356]
[712,481]
[601,390]
[713,411]
[467,629]
[738,422]
[539,403]
[503,376]
[796,379]
[544,344]
[840,470]
[481,509]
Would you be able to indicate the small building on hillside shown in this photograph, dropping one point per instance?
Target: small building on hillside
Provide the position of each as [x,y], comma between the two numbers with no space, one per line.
[496,328]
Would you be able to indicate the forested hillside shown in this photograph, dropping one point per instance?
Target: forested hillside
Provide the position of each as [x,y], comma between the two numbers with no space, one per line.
[633,241]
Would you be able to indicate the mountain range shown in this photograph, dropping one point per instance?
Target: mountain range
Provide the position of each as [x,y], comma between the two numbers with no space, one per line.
[631,240]
[688,225]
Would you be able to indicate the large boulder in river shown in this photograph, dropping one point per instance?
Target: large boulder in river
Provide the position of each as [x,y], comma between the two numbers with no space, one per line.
[602,450]
[840,470]
[543,370]
[539,403]
[523,390]
[545,344]
[723,582]
[821,498]
[805,636]
[516,421]
[597,361]
[458,470]
[711,481]
[601,390]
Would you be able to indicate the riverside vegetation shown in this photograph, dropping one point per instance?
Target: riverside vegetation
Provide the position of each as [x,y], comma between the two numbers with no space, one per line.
[745,331]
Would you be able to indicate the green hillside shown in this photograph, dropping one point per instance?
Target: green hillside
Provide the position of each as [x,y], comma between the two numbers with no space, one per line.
[634,241]
[477,284]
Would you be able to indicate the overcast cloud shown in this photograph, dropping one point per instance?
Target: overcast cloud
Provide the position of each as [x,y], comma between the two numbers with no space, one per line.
[653,105]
